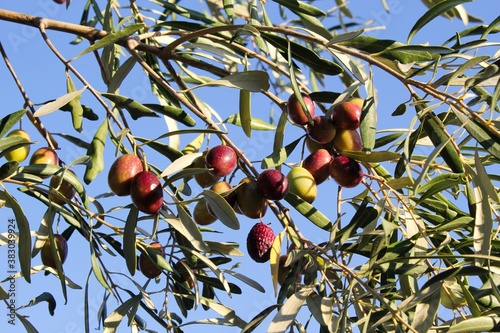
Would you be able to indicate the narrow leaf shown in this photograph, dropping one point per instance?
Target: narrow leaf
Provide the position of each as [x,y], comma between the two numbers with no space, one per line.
[180,164]
[74,105]
[43,297]
[478,324]
[301,7]
[373,157]
[222,209]
[255,123]
[136,109]
[309,211]
[173,112]
[432,13]
[10,120]
[258,319]
[286,315]
[112,38]
[245,112]
[58,103]
[188,228]
[96,152]
[254,81]
[115,318]
[129,240]
[279,157]
[24,236]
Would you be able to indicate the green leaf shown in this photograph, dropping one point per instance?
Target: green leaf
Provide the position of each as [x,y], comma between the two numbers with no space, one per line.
[24,236]
[255,123]
[58,103]
[74,140]
[435,129]
[254,81]
[171,153]
[373,157]
[222,209]
[115,318]
[12,142]
[482,134]
[439,9]
[368,125]
[96,152]
[439,184]
[8,169]
[309,211]
[252,283]
[289,310]
[229,8]
[478,324]
[173,112]
[112,38]
[10,120]
[188,228]
[180,164]
[129,240]
[383,48]
[400,110]
[43,297]
[278,157]
[345,36]
[27,325]
[245,112]
[98,272]
[258,319]
[74,105]
[136,109]
[303,54]
[122,72]
[301,7]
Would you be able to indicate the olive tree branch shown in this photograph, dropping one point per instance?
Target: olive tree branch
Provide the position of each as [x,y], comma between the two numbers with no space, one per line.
[34,120]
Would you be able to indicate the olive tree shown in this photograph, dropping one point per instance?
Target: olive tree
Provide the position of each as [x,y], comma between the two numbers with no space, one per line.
[409,245]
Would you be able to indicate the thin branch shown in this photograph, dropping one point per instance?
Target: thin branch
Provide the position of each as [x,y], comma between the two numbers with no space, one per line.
[34,120]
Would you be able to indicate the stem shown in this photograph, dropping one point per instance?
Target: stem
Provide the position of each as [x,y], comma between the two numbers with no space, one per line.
[34,120]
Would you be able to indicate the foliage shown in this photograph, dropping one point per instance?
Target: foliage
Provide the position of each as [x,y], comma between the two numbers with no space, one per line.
[418,232]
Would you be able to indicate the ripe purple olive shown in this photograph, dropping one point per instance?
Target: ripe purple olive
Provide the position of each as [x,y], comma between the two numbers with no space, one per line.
[272,184]
[346,171]
[222,160]
[322,130]
[318,164]
[295,110]
[146,192]
[347,115]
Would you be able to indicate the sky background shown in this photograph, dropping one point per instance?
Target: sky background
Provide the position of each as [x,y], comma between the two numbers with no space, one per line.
[43,77]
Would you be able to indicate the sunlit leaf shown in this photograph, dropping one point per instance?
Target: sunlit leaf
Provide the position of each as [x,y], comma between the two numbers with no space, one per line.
[112,38]
[23,226]
[96,152]
[478,324]
[289,310]
[255,123]
[254,81]
[10,120]
[58,103]
[258,319]
[438,9]
[278,157]
[308,211]
[301,7]
[136,109]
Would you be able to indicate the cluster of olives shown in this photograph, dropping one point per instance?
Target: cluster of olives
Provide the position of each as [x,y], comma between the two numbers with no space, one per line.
[327,137]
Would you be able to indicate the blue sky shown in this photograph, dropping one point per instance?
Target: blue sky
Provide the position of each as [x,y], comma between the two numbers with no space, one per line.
[44,78]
